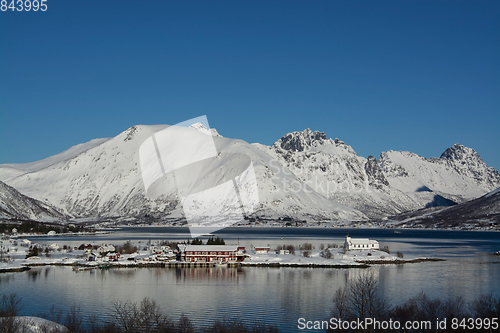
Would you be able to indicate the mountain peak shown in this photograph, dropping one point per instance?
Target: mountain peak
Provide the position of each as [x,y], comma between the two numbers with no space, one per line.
[202,128]
[199,126]
[300,141]
[468,162]
[459,152]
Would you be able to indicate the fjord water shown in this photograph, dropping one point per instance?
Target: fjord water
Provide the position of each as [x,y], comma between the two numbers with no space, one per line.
[278,296]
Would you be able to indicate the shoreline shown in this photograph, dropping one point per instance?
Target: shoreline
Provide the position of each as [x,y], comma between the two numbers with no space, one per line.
[184,264]
[315,225]
[86,233]
[14,269]
[399,261]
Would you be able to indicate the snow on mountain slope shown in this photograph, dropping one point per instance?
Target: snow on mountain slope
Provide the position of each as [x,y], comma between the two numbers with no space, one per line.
[14,170]
[379,188]
[303,175]
[459,177]
[102,180]
[334,170]
[105,181]
[14,205]
[484,209]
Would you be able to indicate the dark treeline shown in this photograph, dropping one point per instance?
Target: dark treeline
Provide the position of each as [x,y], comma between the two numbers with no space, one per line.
[128,317]
[38,227]
[360,298]
[210,241]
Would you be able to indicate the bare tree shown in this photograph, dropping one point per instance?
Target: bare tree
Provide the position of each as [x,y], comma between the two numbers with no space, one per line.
[485,306]
[146,317]
[340,304]
[184,325]
[74,319]
[10,305]
[359,299]
[365,301]
[327,254]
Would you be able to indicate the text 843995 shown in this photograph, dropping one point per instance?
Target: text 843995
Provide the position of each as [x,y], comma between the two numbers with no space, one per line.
[23,5]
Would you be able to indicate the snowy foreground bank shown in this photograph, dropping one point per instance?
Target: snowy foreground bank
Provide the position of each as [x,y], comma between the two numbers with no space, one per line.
[28,324]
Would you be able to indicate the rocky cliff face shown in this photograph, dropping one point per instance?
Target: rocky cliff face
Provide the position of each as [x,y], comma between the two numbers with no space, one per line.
[374,174]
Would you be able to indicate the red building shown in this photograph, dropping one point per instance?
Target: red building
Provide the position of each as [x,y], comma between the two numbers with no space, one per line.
[262,249]
[212,253]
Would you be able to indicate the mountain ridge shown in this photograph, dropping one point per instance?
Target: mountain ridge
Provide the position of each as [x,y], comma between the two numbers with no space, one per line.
[303,175]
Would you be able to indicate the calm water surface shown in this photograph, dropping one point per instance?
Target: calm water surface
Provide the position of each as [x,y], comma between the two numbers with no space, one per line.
[277,296]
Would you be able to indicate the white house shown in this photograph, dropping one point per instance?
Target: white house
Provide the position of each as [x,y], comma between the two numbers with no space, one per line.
[51,233]
[360,243]
[54,247]
[105,248]
[163,249]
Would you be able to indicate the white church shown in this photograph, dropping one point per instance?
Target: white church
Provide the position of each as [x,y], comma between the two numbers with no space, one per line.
[360,243]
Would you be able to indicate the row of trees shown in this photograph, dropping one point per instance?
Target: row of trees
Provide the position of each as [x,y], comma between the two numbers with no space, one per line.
[35,251]
[128,317]
[211,241]
[360,298]
[38,227]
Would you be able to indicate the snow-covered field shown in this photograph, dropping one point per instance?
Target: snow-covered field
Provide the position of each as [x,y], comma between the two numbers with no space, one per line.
[318,258]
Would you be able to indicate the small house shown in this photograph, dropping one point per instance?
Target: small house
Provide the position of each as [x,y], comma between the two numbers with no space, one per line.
[262,249]
[161,250]
[105,249]
[113,256]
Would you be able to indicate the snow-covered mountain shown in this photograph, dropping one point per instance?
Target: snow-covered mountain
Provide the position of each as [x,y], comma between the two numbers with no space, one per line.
[483,210]
[303,175]
[16,206]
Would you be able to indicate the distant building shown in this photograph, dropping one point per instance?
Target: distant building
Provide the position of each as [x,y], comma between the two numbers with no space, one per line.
[360,243]
[262,249]
[105,249]
[212,253]
[161,250]
[113,256]
[51,233]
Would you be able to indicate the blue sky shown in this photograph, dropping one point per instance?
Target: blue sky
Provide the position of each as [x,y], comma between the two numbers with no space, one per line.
[379,75]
